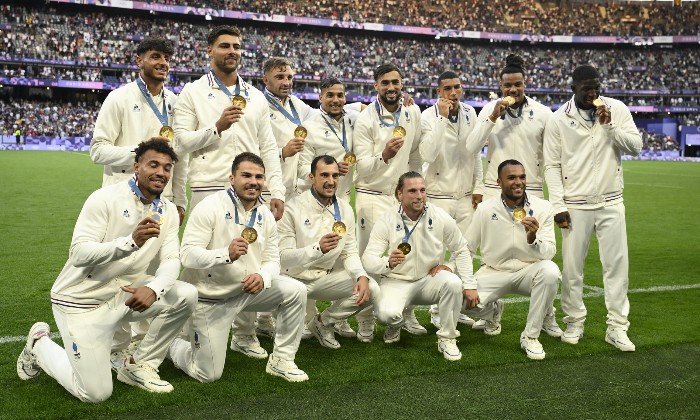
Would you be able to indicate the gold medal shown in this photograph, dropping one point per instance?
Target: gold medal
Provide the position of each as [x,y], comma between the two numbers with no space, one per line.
[598,102]
[350,158]
[519,213]
[157,217]
[339,228]
[300,132]
[399,132]
[510,100]
[250,235]
[167,132]
[239,101]
[404,247]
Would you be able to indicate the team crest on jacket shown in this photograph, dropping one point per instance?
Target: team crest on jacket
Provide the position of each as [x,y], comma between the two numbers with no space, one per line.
[573,124]
[136,108]
[210,96]
[196,340]
[408,119]
[398,228]
[76,353]
[307,222]
[259,219]
[430,223]
[494,217]
[328,133]
[362,223]
[125,213]
[228,215]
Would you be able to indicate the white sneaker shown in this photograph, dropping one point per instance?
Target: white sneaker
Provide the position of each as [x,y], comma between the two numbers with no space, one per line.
[265,327]
[463,319]
[448,348]
[493,327]
[123,357]
[248,345]
[435,320]
[411,324]
[532,347]
[306,332]
[27,364]
[286,369]
[365,330]
[573,333]
[550,326]
[479,325]
[392,335]
[344,329]
[143,376]
[619,339]
[324,334]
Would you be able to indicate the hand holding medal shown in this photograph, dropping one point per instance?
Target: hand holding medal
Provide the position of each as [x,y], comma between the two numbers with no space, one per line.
[601,111]
[395,258]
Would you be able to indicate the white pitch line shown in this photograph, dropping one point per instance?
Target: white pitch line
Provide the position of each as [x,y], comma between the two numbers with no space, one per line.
[19,338]
[593,288]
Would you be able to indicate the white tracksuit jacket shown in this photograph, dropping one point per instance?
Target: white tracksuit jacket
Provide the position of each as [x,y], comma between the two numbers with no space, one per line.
[199,107]
[512,138]
[583,163]
[436,230]
[210,230]
[125,120]
[103,255]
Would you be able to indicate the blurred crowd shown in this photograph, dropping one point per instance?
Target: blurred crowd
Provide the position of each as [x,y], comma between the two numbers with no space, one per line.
[524,17]
[657,141]
[96,42]
[47,118]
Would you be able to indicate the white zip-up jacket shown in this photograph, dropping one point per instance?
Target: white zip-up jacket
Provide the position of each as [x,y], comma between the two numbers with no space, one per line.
[503,241]
[436,231]
[208,234]
[452,171]
[125,120]
[512,138]
[303,224]
[582,163]
[374,176]
[322,141]
[198,109]
[103,255]
[283,130]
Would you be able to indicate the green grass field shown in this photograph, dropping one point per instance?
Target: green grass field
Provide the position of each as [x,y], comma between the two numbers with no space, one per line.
[42,193]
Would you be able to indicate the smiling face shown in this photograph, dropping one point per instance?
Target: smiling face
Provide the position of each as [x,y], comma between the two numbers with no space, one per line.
[412,196]
[512,183]
[279,81]
[248,181]
[585,92]
[225,53]
[324,180]
[513,84]
[333,100]
[153,171]
[154,66]
[389,86]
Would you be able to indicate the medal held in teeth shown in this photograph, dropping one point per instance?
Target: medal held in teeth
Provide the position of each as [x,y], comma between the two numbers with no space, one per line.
[510,100]
[598,102]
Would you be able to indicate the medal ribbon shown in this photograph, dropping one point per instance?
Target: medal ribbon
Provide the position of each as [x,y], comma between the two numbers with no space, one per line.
[408,234]
[344,140]
[294,117]
[162,117]
[336,207]
[397,115]
[232,194]
[135,188]
[225,89]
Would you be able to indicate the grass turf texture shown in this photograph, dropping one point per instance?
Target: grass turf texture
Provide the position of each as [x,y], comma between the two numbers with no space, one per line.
[42,193]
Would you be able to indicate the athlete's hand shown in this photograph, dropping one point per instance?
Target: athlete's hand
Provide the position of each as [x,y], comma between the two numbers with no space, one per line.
[145,230]
[141,298]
